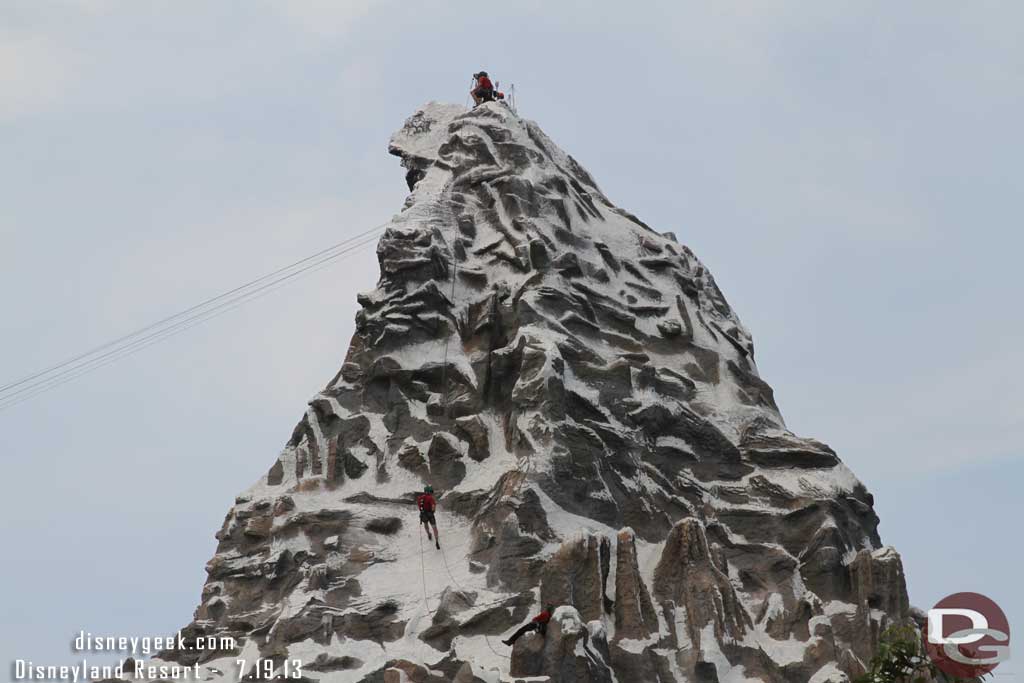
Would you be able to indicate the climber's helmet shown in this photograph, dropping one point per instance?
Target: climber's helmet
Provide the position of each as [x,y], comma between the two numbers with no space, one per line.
[549,608]
[428,489]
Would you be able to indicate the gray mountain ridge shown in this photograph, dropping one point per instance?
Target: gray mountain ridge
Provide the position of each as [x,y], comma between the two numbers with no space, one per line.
[587,404]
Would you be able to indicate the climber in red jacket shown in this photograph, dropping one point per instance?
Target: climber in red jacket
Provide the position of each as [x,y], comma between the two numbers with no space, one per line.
[427,505]
[483,89]
[539,623]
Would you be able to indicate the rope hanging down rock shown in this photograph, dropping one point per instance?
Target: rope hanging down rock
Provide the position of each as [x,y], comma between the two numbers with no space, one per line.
[487,638]
[423,575]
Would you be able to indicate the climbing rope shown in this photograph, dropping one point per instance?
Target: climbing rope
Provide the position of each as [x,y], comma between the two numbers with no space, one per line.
[453,273]
[423,574]
[426,604]
[484,604]
[523,465]
[447,340]
[487,638]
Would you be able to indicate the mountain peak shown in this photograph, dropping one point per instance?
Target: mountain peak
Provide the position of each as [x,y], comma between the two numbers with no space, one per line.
[586,404]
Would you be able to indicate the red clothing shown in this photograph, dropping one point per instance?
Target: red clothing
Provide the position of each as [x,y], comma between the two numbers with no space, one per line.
[543,618]
[484,83]
[426,503]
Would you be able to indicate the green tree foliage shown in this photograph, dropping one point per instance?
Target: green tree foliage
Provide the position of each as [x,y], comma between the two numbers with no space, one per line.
[901,658]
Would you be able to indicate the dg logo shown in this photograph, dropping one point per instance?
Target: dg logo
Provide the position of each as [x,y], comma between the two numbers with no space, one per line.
[967,635]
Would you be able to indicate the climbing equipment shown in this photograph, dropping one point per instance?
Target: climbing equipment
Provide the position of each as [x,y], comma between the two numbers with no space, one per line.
[444,365]
[487,638]
[423,575]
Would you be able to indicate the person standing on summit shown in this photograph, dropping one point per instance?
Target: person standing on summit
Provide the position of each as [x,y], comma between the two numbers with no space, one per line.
[427,505]
[483,89]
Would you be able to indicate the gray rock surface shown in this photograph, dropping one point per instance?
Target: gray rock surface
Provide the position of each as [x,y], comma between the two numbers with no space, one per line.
[587,404]
[635,617]
[528,655]
[574,576]
[574,651]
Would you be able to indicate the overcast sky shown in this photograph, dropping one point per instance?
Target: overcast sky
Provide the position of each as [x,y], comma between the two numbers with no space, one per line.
[849,171]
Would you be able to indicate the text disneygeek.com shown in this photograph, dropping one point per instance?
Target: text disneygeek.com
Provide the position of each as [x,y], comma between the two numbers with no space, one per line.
[138,666]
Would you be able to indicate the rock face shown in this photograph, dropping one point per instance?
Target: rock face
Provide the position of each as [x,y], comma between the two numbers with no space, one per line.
[575,575]
[568,651]
[635,617]
[586,403]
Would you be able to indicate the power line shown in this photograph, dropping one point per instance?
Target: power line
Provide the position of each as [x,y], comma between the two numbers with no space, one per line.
[96,363]
[125,345]
[5,387]
[200,315]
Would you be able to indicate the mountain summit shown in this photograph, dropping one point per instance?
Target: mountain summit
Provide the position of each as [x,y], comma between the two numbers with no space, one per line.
[586,404]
